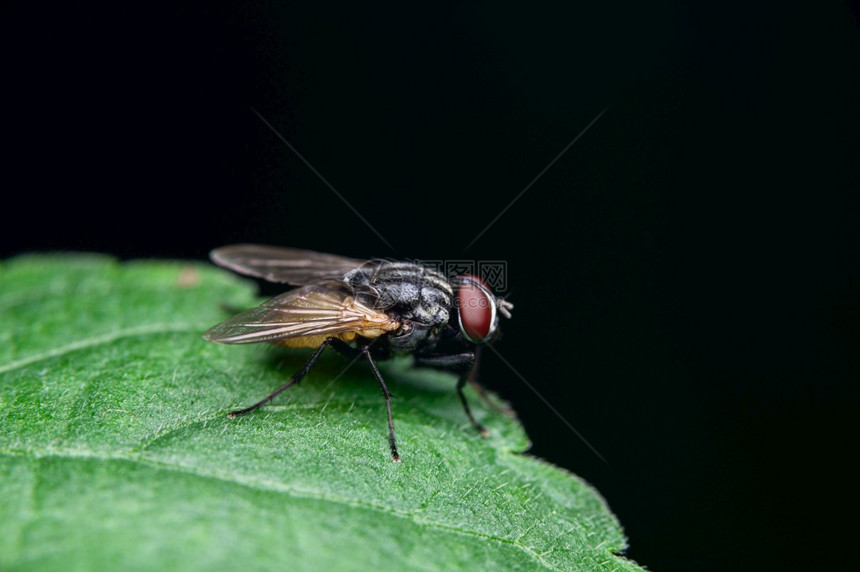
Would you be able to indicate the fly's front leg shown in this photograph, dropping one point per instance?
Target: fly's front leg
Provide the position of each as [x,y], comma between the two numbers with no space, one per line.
[464,364]
[505,409]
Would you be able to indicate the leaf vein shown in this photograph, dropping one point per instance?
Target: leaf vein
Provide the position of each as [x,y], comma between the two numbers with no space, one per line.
[144,330]
[282,488]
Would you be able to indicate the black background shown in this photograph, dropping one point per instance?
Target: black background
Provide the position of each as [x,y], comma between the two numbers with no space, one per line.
[685,276]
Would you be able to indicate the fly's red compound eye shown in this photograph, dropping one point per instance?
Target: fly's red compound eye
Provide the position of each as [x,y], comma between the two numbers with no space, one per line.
[477,307]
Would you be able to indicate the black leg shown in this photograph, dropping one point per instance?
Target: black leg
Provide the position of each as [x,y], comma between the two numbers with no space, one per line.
[395,456]
[482,392]
[463,363]
[297,377]
[481,429]
[345,349]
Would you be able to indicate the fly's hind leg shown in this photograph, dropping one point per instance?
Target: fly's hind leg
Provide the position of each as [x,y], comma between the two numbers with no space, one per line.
[297,377]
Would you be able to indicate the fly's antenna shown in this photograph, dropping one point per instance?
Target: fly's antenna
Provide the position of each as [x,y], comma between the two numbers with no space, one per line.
[504,307]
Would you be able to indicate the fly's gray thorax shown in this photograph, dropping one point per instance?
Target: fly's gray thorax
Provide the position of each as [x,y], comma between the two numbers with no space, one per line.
[408,290]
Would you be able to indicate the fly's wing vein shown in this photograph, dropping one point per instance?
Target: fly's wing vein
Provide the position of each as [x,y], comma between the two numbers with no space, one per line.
[288,265]
[317,309]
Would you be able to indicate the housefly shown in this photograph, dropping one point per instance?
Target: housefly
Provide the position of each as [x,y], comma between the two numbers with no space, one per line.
[369,309]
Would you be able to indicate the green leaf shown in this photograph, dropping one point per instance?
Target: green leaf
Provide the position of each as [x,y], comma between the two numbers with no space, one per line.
[116,451]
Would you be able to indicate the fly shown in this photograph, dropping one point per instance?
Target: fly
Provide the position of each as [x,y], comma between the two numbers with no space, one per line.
[372,309]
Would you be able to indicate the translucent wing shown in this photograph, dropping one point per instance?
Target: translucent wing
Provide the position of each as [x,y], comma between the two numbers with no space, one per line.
[304,317]
[277,264]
